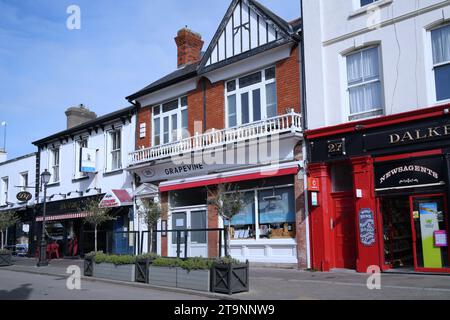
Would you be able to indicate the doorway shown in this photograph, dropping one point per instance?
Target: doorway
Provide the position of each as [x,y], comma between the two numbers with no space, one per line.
[415,233]
[197,241]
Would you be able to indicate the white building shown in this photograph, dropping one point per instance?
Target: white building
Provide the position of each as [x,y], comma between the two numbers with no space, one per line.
[16,176]
[378,98]
[87,161]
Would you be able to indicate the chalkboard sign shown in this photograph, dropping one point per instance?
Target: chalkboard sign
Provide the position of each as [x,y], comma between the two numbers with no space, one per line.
[366,227]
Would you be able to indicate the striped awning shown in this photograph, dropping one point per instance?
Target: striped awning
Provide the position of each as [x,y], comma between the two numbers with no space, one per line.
[68,216]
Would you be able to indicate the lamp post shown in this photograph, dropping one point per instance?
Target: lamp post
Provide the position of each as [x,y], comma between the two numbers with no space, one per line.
[45,179]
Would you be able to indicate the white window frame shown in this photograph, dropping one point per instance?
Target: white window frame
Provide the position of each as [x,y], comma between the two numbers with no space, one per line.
[53,165]
[78,145]
[160,117]
[432,89]
[5,190]
[347,112]
[249,89]
[109,149]
[24,182]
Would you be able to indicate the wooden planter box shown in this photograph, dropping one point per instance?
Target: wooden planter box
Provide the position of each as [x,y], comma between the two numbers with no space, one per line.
[230,278]
[5,259]
[162,276]
[113,272]
[89,267]
[194,280]
[179,278]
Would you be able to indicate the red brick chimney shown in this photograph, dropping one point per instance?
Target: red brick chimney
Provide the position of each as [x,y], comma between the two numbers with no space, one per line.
[189,45]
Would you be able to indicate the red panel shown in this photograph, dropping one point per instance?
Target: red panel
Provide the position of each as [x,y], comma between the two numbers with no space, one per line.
[409,155]
[378,122]
[244,177]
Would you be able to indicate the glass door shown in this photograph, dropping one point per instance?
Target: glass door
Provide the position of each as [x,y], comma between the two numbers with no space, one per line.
[429,218]
[179,222]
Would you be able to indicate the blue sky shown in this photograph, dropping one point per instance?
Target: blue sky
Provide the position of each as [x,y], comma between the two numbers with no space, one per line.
[122,46]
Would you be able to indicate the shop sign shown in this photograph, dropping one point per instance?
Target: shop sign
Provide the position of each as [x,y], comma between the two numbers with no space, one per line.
[410,173]
[366,227]
[313,184]
[88,160]
[336,147]
[116,198]
[24,196]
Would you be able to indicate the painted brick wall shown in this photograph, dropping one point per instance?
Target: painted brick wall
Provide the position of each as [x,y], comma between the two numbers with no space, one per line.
[288,83]
[144,116]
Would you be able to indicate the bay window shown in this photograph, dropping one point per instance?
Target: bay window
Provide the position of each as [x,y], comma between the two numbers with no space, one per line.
[170,121]
[364,83]
[251,98]
[440,38]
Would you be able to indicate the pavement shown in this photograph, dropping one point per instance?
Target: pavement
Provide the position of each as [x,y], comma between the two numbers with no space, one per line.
[265,284]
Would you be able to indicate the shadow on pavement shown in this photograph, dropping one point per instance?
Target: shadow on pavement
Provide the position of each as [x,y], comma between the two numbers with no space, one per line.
[21,293]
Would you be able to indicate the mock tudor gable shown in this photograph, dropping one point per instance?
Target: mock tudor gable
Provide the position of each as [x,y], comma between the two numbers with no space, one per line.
[247,28]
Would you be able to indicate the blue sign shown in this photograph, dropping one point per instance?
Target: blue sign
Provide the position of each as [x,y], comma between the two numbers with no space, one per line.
[367,227]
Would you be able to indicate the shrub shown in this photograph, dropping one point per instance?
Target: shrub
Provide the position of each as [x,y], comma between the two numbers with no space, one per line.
[114,259]
[197,263]
[226,260]
[150,256]
[2,251]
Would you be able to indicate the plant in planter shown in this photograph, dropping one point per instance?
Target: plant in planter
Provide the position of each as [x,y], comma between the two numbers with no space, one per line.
[150,212]
[5,258]
[192,273]
[114,267]
[228,201]
[143,263]
[7,220]
[229,276]
[96,217]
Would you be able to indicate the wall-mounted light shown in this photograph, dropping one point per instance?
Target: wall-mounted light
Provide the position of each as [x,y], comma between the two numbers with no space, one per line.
[99,190]
[71,192]
[63,195]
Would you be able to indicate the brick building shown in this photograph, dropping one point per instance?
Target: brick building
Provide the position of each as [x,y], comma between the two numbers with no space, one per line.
[229,115]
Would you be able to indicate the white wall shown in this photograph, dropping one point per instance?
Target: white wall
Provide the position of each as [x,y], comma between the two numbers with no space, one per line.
[13,169]
[103,180]
[335,27]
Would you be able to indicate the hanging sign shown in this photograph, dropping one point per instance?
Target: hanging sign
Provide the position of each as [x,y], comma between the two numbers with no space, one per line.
[366,227]
[409,173]
[24,196]
[88,160]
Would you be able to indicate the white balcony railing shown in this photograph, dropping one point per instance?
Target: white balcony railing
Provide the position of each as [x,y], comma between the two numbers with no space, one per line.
[290,122]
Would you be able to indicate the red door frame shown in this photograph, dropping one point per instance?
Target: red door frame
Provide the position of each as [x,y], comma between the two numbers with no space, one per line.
[411,204]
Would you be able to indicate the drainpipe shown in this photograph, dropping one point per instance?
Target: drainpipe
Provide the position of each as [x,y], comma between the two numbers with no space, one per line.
[304,127]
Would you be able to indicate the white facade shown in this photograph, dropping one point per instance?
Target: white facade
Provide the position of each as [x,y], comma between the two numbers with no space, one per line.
[404,68]
[15,175]
[61,158]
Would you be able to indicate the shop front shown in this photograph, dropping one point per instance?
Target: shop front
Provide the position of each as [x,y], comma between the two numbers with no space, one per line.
[69,236]
[379,193]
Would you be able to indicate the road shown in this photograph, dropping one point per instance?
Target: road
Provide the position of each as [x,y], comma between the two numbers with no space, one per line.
[27,286]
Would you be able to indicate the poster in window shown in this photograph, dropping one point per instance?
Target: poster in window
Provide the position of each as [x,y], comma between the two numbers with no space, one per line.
[276,207]
[88,160]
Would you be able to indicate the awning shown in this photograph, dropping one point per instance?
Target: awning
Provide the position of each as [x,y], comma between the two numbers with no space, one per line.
[116,198]
[64,217]
[278,170]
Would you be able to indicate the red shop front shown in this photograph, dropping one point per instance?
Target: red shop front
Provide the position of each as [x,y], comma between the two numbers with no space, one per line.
[379,193]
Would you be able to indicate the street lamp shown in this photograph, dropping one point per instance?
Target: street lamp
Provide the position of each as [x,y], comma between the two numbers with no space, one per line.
[45,179]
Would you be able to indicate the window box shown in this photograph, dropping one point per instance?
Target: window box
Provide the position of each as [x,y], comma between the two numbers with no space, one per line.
[230,278]
[5,259]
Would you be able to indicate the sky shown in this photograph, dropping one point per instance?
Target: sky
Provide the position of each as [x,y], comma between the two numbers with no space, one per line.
[122,46]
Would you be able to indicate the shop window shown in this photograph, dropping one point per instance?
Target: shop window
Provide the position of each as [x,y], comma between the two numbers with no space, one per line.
[364,83]
[441,61]
[188,198]
[276,213]
[342,177]
[243,224]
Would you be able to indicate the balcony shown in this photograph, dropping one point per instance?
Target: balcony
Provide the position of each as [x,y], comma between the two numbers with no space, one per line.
[288,123]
